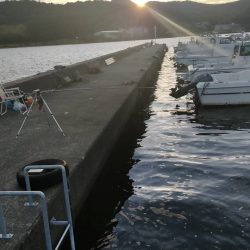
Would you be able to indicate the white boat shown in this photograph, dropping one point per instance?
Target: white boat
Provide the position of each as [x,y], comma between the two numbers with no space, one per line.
[225,89]
[213,50]
[195,60]
[240,62]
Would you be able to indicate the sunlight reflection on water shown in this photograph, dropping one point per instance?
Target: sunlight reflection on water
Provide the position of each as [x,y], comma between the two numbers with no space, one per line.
[193,169]
[16,63]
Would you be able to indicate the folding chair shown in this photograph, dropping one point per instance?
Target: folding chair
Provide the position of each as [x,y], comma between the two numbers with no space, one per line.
[11,94]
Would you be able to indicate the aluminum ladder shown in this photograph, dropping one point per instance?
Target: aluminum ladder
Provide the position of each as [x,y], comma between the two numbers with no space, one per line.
[44,209]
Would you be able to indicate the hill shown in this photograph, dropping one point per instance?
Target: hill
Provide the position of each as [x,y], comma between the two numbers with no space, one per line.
[33,22]
[30,22]
[189,13]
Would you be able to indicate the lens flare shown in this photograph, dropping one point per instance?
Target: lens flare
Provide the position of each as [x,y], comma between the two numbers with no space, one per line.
[140,3]
[176,29]
[170,25]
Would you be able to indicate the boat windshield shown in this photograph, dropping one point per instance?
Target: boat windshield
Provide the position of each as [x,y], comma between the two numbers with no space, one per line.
[245,50]
[225,41]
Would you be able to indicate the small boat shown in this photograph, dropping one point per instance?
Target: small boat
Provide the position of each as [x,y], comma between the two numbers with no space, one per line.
[211,49]
[225,89]
[240,62]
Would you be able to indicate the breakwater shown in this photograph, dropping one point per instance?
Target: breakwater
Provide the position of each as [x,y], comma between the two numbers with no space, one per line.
[92,102]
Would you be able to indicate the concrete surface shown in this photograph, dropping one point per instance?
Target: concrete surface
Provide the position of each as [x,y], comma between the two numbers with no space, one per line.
[92,113]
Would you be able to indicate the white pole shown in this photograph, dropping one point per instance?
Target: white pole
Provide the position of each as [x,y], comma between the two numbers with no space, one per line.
[155,32]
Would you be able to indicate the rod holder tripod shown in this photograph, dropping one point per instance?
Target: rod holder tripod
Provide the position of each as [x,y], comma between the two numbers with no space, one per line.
[38,98]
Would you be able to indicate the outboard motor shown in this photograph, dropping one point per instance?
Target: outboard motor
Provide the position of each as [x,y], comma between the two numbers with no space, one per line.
[178,92]
[202,78]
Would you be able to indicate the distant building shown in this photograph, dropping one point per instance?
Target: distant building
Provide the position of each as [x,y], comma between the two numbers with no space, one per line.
[137,32]
[110,34]
[131,33]
[228,28]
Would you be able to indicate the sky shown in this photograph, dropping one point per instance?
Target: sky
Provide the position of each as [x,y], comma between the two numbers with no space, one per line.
[141,2]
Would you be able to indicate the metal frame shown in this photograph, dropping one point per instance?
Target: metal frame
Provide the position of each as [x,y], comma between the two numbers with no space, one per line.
[68,223]
[39,99]
[10,94]
[3,230]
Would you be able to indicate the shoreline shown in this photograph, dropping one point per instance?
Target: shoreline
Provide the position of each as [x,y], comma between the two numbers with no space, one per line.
[41,44]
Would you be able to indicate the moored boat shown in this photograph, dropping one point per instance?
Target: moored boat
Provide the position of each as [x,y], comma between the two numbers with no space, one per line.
[209,50]
[225,89]
[240,62]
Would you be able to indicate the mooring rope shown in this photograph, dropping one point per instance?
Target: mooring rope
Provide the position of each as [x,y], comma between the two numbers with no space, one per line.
[88,89]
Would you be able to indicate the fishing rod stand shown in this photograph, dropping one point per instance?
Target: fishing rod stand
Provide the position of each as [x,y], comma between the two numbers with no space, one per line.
[38,98]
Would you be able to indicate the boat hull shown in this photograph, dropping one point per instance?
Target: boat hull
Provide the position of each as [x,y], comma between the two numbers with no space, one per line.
[222,94]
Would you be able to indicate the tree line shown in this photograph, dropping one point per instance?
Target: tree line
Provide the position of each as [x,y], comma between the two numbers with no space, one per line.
[28,22]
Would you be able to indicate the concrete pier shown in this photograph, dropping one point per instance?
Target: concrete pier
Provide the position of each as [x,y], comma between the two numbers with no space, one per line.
[92,113]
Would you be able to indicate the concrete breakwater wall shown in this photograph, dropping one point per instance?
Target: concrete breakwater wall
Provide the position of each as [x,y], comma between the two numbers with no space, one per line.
[92,113]
[51,79]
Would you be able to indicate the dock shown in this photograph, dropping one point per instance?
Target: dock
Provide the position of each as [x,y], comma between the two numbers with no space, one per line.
[92,112]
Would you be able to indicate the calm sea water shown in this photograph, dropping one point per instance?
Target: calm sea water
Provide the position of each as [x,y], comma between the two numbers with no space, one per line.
[178,179]
[16,63]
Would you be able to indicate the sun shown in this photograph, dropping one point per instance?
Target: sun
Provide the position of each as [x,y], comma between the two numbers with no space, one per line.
[140,3]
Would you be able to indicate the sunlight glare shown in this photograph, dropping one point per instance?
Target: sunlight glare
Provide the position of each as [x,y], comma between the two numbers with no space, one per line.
[140,3]
[173,27]
[169,24]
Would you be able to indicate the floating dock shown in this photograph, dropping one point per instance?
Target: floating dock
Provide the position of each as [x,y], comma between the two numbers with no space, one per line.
[92,112]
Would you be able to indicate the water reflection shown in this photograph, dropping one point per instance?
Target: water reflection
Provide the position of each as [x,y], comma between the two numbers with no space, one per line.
[184,184]
[40,59]
[224,118]
[191,184]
